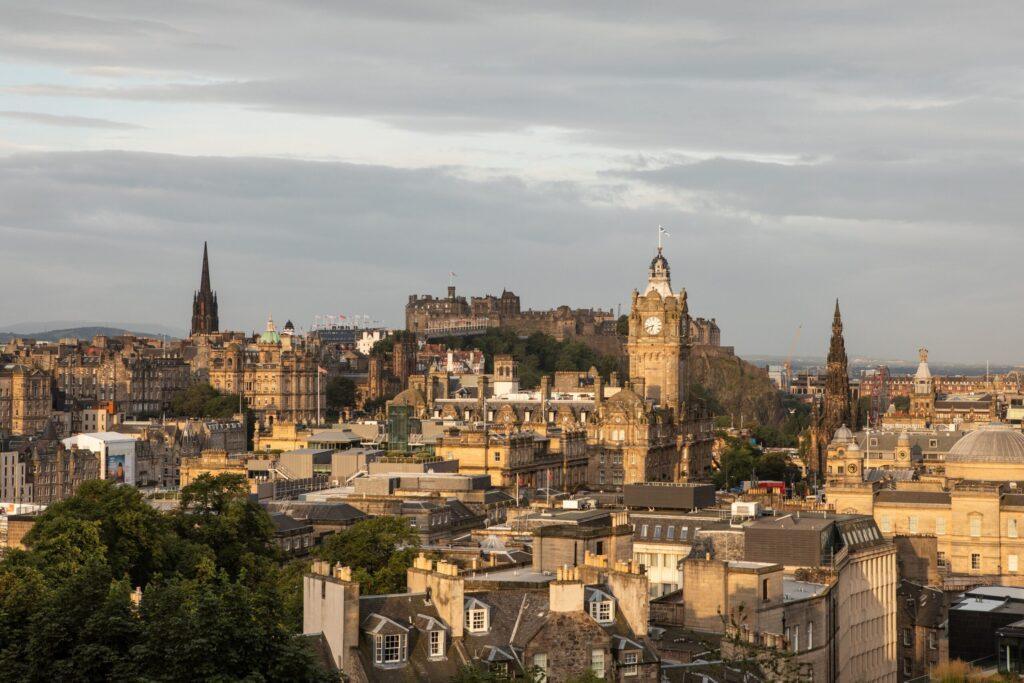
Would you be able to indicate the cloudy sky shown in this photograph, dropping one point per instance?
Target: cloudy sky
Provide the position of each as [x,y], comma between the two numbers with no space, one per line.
[340,155]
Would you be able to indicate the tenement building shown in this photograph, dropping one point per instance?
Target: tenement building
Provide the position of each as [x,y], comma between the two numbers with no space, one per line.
[588,619]
[26,399]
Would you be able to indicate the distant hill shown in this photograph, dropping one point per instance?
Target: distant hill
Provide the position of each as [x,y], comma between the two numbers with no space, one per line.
[79,332]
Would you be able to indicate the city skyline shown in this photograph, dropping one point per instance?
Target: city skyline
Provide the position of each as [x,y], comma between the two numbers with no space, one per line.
[338,165]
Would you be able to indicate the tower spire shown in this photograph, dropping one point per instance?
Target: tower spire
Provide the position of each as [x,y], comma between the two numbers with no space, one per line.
[204,303]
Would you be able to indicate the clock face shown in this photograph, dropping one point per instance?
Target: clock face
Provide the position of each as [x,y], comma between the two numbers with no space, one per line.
[652,325]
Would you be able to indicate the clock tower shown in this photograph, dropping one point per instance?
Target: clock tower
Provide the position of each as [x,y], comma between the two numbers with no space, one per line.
[658,326]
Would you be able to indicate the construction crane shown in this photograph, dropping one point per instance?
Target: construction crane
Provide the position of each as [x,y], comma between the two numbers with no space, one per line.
[792,350]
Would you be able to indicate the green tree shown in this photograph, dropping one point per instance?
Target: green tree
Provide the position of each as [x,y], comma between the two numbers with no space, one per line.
[211,609]
[340,393]
[216,512]
[202,400]
[379,551]
[135,537]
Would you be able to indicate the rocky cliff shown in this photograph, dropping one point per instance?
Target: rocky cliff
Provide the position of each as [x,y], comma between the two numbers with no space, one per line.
[735,387]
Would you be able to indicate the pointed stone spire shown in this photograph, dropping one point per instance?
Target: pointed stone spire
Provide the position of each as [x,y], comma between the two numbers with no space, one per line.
[204,303]
[837,381]
[204,281]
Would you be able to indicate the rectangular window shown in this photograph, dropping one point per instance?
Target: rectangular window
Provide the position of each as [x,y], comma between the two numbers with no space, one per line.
[1011,563]
[436,643]
[810,635]
[597,662]
[940,526]
[657,531]
[975,561]
[886,524]
[540,662]
[643,531]
[630,664]
[796,639]
[912,524]
[684,533]
[906,637]
[1011,528]
[932,645]
[390,649]
[976,526]
[670,533]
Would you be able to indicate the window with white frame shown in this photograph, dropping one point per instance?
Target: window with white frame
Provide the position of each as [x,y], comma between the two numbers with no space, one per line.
[597,662]
[1011,528]
[630,663]
[1011,562]
[810,635]
[389,649]
[975,525]
[477,617]
[540,662]
[602,611]
[436,643]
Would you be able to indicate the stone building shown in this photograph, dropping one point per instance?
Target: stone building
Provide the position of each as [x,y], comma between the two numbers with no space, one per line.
[275,373]
[558,459]
[43,471]
[923,644]
[133,376]
[644,430]
[204,303]
[973,506]
[26,399]
[590,618]
[429,316]
[813,592]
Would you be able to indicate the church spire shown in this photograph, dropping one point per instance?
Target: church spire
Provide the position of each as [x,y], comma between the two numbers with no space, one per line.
[204,304]
[204,281]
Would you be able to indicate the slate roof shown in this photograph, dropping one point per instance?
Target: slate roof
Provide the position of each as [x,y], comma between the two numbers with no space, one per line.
[913,497]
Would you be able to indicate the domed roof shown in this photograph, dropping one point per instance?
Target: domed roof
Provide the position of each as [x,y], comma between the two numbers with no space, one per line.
[270,335]
[410,397]
[993,443]
[843,435]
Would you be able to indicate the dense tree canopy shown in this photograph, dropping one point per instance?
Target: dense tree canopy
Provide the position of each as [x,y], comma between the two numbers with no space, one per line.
[339,393]
[202,400]
[742,461]
[379,550]
[537,354]
[210,605]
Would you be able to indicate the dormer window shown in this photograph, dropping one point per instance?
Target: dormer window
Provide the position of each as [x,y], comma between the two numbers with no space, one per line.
[602,612]
[477,616]
[389,649]
[600,606]
[436,644]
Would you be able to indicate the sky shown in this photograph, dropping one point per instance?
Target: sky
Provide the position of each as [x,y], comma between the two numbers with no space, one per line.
[339,156]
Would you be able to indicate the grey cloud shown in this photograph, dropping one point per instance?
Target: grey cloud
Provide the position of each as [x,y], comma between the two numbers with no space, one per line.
[785,78]
[981,192]
[66,121]
[116,235]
